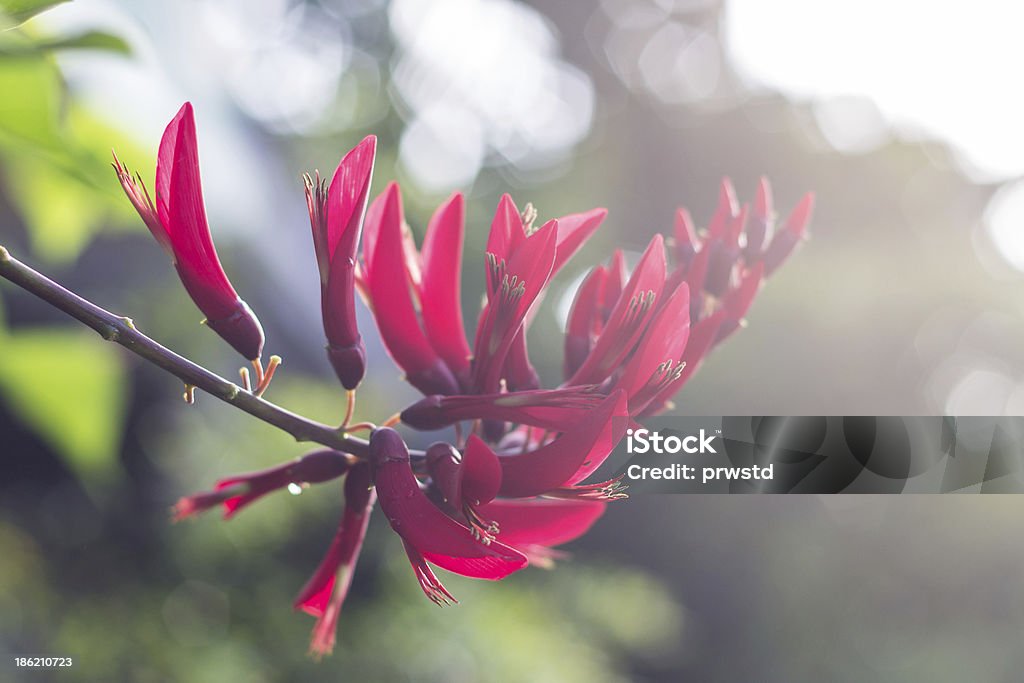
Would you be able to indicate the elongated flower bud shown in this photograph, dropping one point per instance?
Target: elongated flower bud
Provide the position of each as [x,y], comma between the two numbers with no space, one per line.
[178,222]
[241,490]
[336,215]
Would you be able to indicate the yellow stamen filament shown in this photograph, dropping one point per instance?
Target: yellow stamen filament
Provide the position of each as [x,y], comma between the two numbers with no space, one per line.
[350,407]
[264,383]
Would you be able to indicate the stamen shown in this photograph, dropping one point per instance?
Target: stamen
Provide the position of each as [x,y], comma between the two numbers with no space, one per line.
[666,373]
[258,367]
[529,216]
[275,362]
[429,583]
[512,290]
[496,268]
[360,426]
[190,394]
[613,489]
[350,407]
[481,529]
[244,374]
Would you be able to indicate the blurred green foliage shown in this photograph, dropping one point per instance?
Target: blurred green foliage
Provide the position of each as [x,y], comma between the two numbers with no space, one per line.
[56,160]
[54,164]
[70,386]
[14,12]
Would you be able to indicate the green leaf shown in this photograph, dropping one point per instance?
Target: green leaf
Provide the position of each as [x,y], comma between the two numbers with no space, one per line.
[70,387]
[90,40]
[62,214]
[32,117]
[15,12]
[58,168]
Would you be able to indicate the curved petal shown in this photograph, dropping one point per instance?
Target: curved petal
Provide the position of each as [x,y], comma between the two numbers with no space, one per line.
[702,337]
[554,409]
[179,203]
[520,375]
[481,478]
[629,317]
[440,293]
[542,521]
[761,226]
[573,232]
[346,199]
[444,464]
[686,238]
[523,277]
[344,549]
[506,233]
[785,240]
[726,210]
[393,308]
[583,320]
[570,457]
[663,341]
[737,301]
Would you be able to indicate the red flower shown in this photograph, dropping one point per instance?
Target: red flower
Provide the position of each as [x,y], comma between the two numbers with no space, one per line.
[336,214]
[486,505]
[636,338]
[426,531]
[324,593]
[521,260]
[178,222]
[238,491]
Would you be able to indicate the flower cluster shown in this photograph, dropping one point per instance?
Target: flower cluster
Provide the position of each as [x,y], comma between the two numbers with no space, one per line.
[509,484]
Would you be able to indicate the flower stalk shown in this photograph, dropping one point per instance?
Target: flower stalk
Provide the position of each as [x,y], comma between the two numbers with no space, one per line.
[122,330]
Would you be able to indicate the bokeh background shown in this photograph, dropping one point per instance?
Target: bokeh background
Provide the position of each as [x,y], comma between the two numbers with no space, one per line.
[903,117]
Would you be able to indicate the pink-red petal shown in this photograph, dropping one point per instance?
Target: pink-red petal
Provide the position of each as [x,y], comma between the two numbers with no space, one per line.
[663,341]
[573,232]
[393,307]
[481,478]
[571,457]
[544,521]
[629,317]
[440,293]
[423,525]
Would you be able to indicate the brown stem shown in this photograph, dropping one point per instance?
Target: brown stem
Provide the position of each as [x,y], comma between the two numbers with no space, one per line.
[123,331]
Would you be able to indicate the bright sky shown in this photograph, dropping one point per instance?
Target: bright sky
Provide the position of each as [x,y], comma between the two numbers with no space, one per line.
[948,68]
